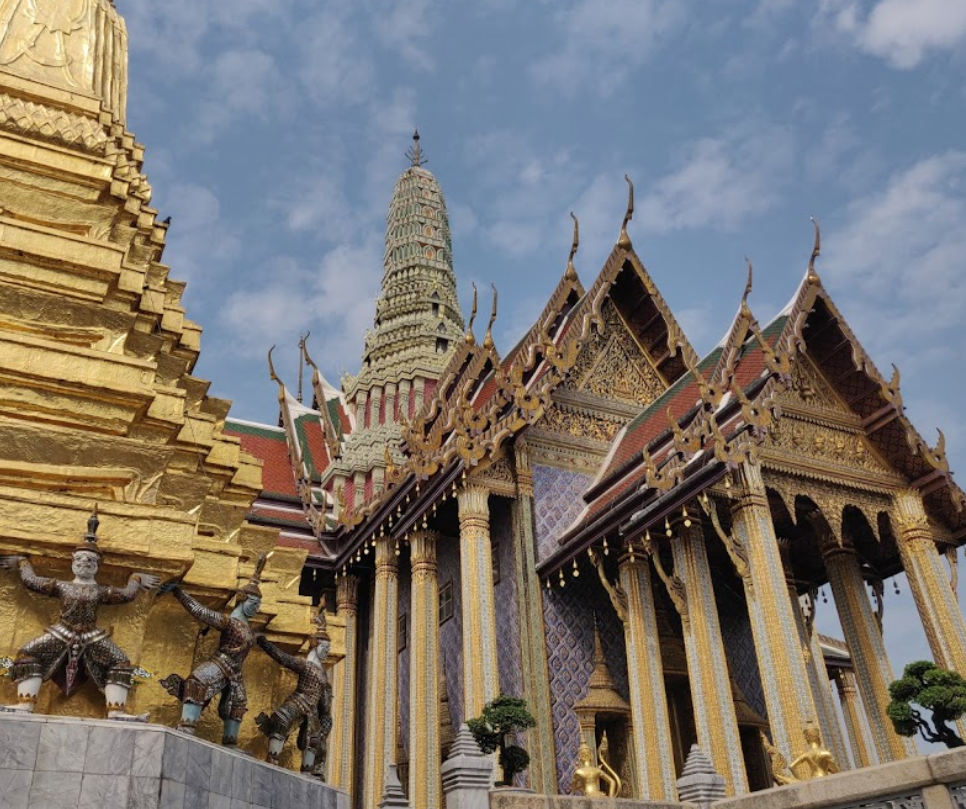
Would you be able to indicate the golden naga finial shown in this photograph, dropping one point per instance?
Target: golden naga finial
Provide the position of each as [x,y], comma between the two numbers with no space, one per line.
[749,284]
[571,270]
[302,360]
[274,376]
[470,339]
[415,153]
[488,339]
[816,251]
[624,240]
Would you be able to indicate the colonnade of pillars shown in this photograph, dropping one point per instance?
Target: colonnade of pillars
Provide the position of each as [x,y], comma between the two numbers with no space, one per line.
[784,650]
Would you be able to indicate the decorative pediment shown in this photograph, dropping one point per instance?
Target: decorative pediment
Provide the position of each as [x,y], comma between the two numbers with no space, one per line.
[809,391]
[613,366]
[800,441]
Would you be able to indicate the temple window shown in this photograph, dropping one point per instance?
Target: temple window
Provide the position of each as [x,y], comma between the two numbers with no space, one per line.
[442,344]
[402,632]
[446,602]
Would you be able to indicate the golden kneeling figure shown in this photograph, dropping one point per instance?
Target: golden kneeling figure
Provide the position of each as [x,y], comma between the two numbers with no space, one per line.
[588,776]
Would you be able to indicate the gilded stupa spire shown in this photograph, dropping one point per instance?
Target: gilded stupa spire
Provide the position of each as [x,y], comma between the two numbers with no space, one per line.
[415,153]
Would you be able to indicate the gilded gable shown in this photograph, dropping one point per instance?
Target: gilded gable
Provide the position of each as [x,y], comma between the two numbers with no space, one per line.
[613,366]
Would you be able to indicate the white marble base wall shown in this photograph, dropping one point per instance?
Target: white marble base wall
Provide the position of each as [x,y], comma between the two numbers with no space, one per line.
[57,763]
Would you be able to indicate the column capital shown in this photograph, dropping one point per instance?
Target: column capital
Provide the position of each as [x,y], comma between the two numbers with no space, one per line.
[474,501]
[422,557]
[386,562]
[347,593]
[909,510]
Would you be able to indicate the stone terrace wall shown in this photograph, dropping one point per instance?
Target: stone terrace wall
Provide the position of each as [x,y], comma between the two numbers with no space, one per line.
[62,763]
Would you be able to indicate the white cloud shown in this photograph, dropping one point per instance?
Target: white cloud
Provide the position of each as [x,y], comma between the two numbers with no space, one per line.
[900,255]
[335,66]
[407,27]
[244,84]
[903,32]
[199,242]
[720,181]
[602,41]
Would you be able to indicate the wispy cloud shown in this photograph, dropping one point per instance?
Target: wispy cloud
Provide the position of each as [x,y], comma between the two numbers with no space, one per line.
[721,181]
[903,32]
[599,42]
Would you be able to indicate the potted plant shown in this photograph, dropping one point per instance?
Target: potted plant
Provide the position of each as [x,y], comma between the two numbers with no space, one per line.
[500,718]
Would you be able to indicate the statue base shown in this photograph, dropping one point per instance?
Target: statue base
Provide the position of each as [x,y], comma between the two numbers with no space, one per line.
[49,761]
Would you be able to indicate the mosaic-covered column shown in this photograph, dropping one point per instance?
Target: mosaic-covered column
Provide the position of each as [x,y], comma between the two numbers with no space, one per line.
[714,706]
[424,748]
[872,669]
[852,714]
[653,753]
[533,640]
[481,682]
[781,661]
[941,617]
[826,716]
[344,687]
[381,691]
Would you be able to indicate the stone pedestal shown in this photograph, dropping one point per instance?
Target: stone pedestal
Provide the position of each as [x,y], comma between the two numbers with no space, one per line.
[62,763]
[467,774]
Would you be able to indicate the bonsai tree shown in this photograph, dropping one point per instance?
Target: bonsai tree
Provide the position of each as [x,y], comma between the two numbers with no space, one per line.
[503,716]
[928,686]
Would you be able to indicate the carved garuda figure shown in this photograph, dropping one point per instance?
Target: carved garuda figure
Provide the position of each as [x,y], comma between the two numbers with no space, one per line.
[309,706]
[75,648]
[222,672]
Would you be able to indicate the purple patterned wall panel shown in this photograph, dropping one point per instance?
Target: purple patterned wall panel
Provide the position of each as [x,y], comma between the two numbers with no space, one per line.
[402,659]
[739,642]
[451,631]
[505,600]
[568,615]
[557,500]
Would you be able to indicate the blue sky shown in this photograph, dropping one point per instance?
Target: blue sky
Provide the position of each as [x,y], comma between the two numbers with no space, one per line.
[275,130]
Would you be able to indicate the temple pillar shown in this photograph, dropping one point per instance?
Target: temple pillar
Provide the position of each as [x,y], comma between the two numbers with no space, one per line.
[828,719]
[533,641]
[419,386]
[872,669]
[390,395]
[939,611]
[653,752]
[403,398]
[781,661]
[481,682]
[424,748]
[381,690]
[852,714]
[714,707]
[375,404]
[344,687]
[361,401]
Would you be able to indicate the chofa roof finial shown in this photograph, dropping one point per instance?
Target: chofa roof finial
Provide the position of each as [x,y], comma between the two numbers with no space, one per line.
[488,339]
[470,339]
[625,240]
[816,251]
[415,153]
[571,270]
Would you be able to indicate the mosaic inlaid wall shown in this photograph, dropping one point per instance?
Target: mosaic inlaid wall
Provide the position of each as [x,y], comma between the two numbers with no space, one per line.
[402,655]
[451,630]
[557,500]
[505,599]
[568,616]
[365,625]
[738,640]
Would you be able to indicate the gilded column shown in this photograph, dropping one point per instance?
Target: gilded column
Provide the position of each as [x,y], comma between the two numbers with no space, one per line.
[714,706]
[344,687]
[852,714]
[653,753]
[381,692]
[788,695]
[872,669]
[424,748]
[533,641]
[935,599]
[481,682]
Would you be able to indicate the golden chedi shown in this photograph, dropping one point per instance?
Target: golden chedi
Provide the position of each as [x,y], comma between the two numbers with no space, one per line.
[98,402]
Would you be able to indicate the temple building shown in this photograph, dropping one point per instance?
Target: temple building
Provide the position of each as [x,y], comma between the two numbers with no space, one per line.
[624,533]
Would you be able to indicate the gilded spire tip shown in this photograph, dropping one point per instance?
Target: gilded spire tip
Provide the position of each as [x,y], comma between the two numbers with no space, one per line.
[415,152]
[625,240]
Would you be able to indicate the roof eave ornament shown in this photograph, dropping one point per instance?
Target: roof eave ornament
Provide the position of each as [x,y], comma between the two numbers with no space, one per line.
[274,376]
[624,240]
[488,339]
[470,338]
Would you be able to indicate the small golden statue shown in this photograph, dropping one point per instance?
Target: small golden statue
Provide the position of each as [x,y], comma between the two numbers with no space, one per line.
[819,759]
[780,773]
[587,777]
